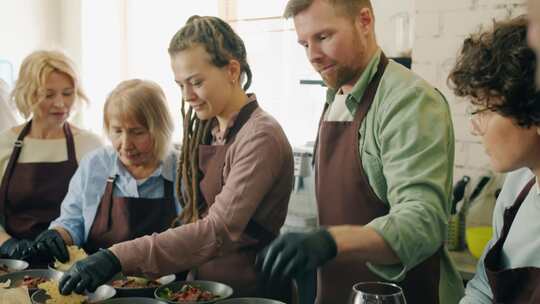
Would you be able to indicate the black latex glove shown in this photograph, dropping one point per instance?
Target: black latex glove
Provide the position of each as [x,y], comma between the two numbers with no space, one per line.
[90,273]
[293,254]
[49,243]
[17,249]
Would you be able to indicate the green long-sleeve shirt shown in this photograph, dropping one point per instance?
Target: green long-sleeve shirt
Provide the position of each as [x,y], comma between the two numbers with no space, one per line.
[407,151]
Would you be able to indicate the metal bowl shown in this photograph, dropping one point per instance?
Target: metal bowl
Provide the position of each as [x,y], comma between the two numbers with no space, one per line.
[102,293]
[133,301]
[51,267]
[17,277]
[250,301]
[141,292]
[14,265]
[220,289]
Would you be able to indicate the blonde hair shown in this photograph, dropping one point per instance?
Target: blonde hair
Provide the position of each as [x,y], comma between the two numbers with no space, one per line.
[347,7]
[145,102]
[33,74]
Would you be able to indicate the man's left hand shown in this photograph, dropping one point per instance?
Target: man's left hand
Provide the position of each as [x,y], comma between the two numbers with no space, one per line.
[293,254]
[90,273]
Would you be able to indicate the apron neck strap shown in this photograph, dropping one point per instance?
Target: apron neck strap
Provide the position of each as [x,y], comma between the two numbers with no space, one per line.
[511,212]
[67,133]
[241,119]
[363,107]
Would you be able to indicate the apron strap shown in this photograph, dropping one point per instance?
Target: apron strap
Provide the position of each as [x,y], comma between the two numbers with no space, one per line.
[365,104]
[501,280]
[70,144]
[510,213]
[17,147]
[371,90]
[109,190]
[241,119]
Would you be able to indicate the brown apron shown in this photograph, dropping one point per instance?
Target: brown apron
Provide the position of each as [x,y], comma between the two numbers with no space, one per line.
[512,286]
[344,197]
[31,193]
[236,269]
[121,219]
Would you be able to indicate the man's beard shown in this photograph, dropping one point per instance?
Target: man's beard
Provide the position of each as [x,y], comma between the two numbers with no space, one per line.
[342,76]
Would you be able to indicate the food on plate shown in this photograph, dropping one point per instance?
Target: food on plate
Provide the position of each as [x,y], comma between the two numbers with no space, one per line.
[5,284]
[189,293]
[135,282]
[32,282]
[75,254]
[51,288]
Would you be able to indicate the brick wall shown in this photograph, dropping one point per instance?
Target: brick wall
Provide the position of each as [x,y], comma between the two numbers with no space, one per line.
[440,28]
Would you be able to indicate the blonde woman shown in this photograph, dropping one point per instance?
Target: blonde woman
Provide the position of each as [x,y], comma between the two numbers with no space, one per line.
[124,191]
[39,157]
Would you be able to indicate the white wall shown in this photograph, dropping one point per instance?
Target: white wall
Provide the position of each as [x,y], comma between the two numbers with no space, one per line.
[71,29]
[109,40]
[27,25]
[385,23]
[103,53]
[151,25]
[441,27]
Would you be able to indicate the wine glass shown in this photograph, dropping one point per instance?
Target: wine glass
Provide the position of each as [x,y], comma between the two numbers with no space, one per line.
[377,293]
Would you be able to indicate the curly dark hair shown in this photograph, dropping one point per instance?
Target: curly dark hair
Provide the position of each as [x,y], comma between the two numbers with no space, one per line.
[498,65]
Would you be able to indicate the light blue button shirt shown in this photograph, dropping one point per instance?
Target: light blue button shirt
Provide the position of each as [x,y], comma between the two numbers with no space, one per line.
[88,184]
[522,243]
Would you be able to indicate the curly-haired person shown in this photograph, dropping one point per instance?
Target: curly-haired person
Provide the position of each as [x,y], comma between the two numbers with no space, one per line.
[496,71]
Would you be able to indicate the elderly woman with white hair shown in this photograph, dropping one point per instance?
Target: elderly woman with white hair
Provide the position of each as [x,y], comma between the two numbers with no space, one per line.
[125,191]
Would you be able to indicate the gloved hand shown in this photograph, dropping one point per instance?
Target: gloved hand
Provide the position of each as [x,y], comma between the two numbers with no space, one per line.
[17,249]
[49,243]
[293,254]
[90,273]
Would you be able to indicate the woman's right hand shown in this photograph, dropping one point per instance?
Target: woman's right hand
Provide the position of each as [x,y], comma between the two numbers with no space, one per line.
[17,249]
[50,243]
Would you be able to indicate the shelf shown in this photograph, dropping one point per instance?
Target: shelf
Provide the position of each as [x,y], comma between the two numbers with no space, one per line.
[312,82]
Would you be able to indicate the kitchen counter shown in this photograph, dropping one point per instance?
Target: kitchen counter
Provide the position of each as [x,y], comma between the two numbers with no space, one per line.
[465,263]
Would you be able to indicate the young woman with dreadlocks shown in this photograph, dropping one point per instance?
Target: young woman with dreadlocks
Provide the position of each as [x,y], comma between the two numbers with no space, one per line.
[236,172]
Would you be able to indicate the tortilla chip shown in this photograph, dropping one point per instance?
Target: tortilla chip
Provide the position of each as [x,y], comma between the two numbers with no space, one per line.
[75,254]
[51,288]
[17,295]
